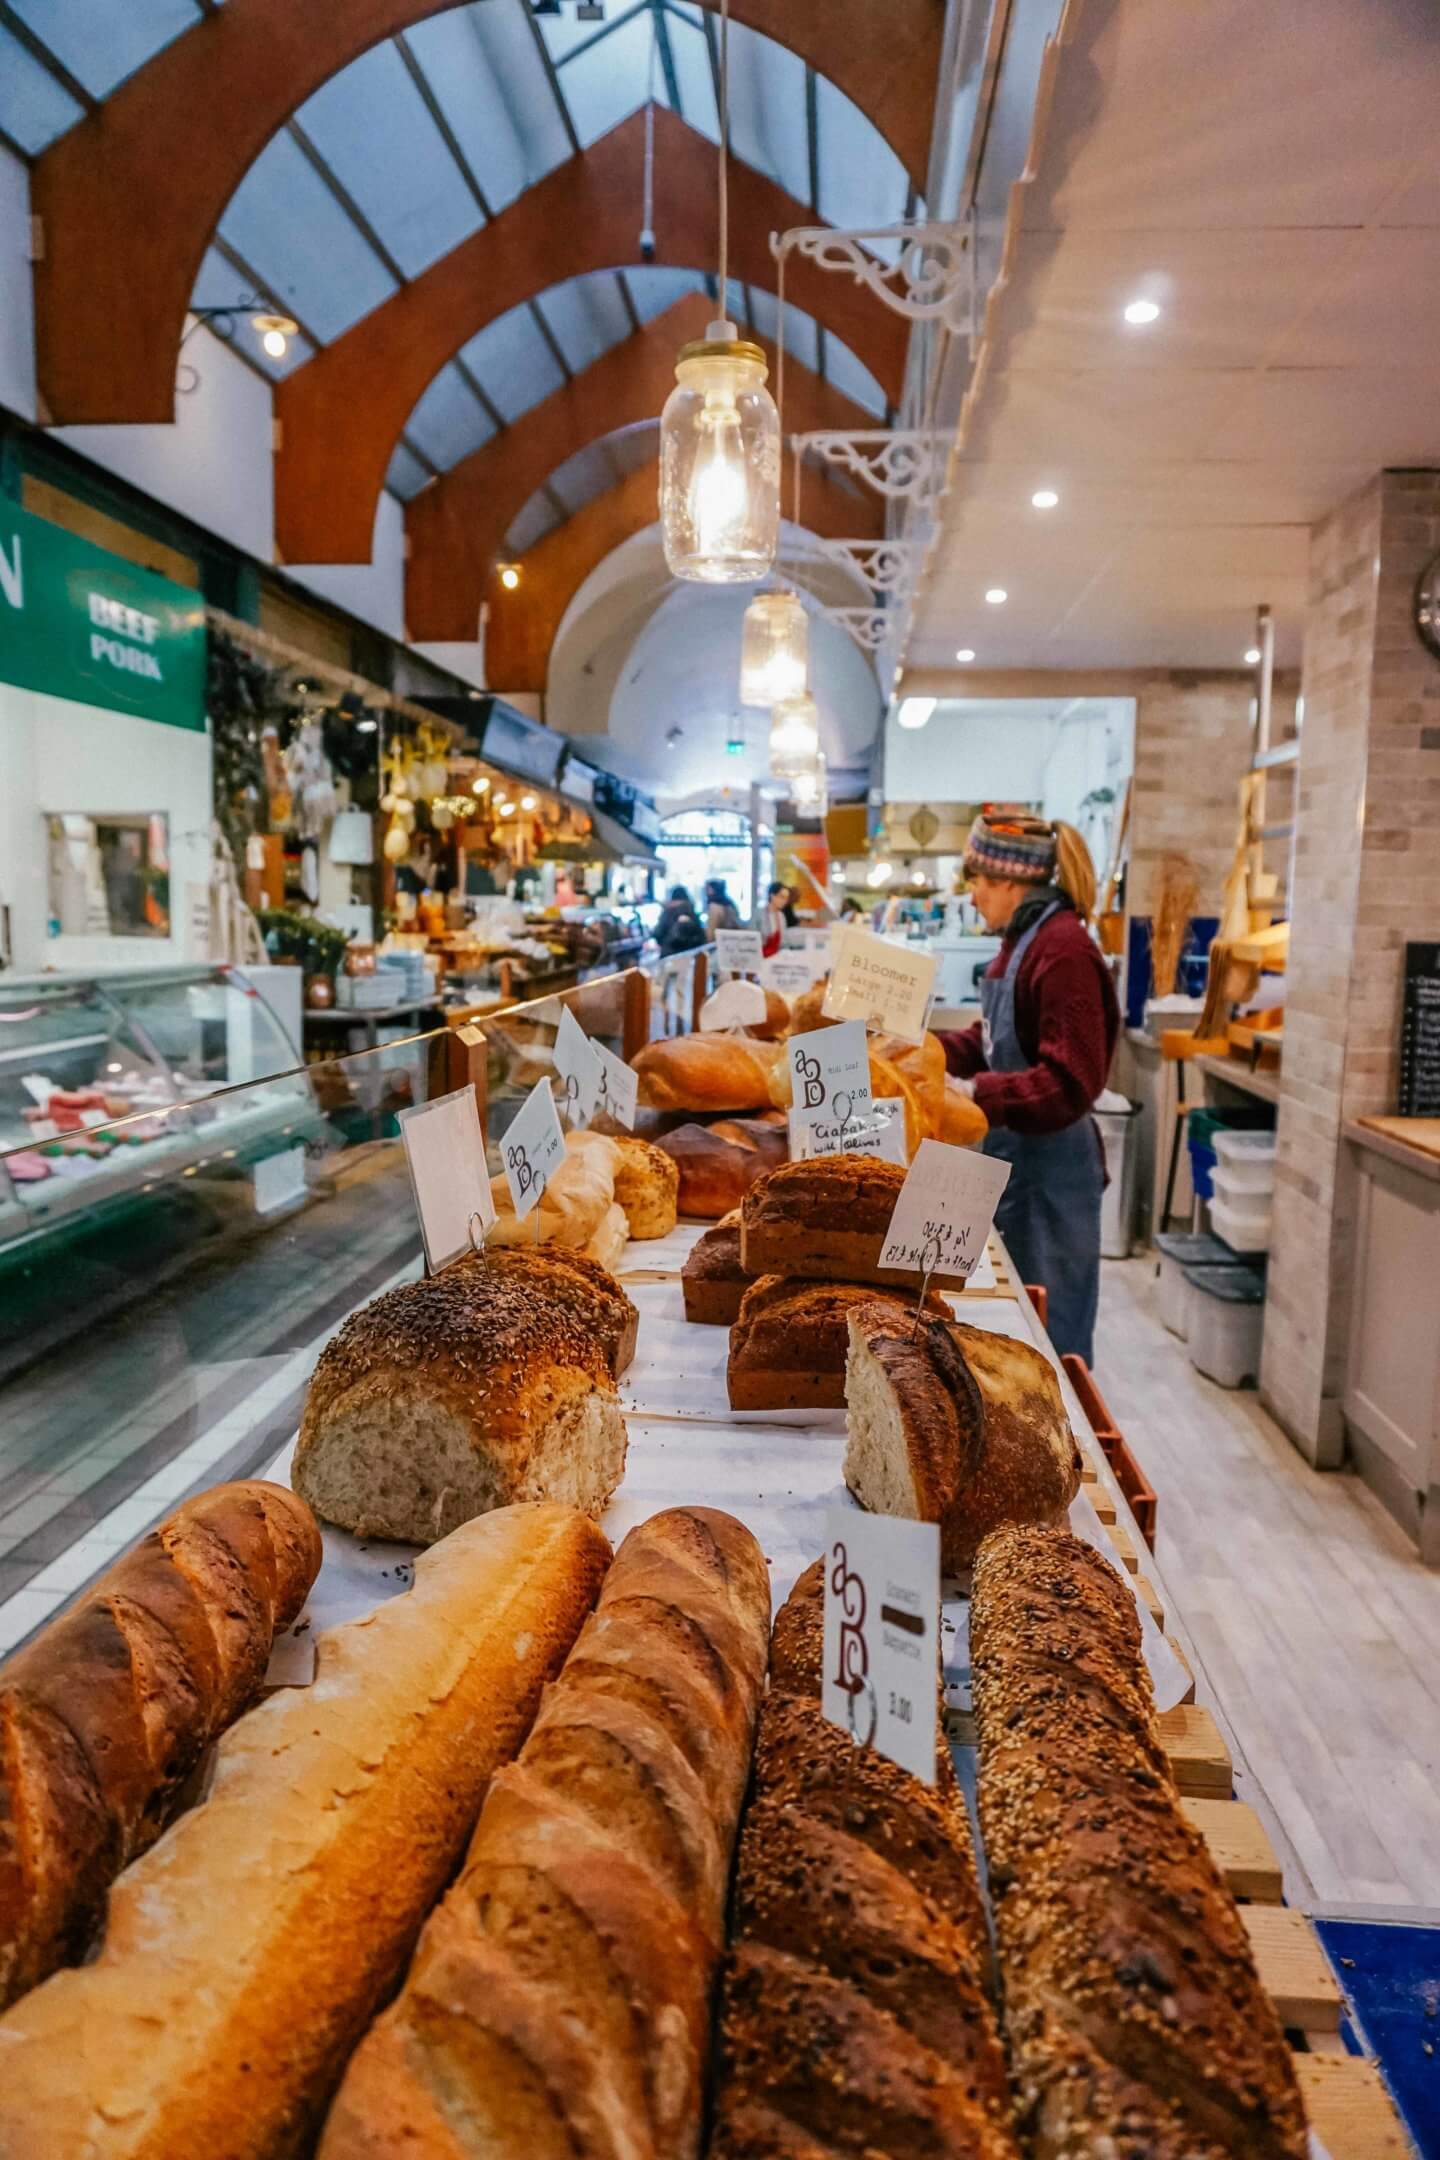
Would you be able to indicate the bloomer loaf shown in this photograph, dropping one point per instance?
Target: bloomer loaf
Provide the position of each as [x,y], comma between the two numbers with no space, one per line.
[954,1425]
[706,1072]
[558,2005]
[854,2018]
[827,1219]
[1135,2018]
[789,1343]
[246,1952]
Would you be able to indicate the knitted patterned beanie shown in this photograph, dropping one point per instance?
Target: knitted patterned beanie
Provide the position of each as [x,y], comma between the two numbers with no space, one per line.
[1007,843]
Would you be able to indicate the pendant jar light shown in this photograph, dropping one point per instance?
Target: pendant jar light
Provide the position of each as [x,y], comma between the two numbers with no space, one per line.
[794,737]
[720,433]
[809,791]
[774,649]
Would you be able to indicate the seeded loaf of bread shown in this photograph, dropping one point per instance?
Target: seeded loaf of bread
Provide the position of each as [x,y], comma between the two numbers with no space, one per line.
[647,1187]
[854,2016]
[572,1283]
[789,1344]
[444,1398]
[827,1219]
[559,2004]
[712,1281]
[246,1952]
[956,1426]
[1136,2021]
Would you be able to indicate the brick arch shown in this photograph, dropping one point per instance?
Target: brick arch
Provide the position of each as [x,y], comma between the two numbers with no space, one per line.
[131,196]
[456,527]
[341,414]
[523,626]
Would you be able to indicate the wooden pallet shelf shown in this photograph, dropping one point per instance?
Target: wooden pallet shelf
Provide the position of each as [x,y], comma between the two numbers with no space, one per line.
[1240,1848]
[1293,1968]
[1199,1759]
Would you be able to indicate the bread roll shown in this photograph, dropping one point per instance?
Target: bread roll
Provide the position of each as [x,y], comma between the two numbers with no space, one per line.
[718,1163]
[706,1072]
[789,1344]
[575,1284]
[247,1951]
[854,2017]
[104,1715]
[1135,2017]
[956,1426]
[712,1281]
[827,1219]
[448,1397]
[559,2001]
[647,1186]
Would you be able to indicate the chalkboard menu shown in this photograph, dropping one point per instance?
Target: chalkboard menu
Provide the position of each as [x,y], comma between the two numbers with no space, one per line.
[1420,1033]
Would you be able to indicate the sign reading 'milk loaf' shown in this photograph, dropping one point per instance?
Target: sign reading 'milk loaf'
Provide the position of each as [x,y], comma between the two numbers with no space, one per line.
[80,623]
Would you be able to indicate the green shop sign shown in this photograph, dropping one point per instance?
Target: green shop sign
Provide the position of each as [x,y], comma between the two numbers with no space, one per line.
[80,623]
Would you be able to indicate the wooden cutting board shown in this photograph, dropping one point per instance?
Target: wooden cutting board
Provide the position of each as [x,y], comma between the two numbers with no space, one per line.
[1417,1132]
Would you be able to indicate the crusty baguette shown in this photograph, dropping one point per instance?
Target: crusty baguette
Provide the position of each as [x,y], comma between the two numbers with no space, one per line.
[706,1072]
[246,1952]
[854,2015]
[105,1713]
[1135,2017]
[558,2006]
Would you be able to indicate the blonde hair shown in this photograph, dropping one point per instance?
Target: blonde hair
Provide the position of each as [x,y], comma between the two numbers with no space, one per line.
[1074,871]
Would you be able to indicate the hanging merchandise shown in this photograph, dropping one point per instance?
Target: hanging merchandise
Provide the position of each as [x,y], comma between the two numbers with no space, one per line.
[720,434]
[312,783]
[794,737]
[774,649]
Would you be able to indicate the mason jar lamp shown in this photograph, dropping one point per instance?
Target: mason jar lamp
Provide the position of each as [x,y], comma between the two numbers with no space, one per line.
[774,649]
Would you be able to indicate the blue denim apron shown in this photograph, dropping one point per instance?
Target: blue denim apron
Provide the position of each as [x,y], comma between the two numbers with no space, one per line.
[1049,1213]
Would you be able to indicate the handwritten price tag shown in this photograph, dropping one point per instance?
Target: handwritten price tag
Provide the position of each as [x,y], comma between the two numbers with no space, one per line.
[619,1094]
[882,1635]
[445,1153]
[737,952]
[789,973]
[880,1132]
[533,1149]
[579,1070]
[945,1209]
[887,986]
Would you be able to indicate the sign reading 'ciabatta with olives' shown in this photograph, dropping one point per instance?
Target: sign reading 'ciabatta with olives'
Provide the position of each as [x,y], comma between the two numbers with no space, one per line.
[80,623]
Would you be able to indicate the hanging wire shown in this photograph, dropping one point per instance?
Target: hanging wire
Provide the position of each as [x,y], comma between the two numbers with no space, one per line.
[647,209]
[725,158]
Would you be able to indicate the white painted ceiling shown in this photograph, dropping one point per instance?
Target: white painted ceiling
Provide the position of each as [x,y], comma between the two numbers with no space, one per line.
[1269,172]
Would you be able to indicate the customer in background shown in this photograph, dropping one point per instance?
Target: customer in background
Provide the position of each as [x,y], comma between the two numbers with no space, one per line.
[776,917]
[678,929]
[720,909]
[1040,1056]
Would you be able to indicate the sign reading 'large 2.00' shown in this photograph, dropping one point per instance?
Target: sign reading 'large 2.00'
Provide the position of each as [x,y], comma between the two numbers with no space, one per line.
[80,623]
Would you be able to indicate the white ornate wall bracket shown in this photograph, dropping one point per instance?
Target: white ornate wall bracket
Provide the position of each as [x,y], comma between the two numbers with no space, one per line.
[886,566]
[902,464]
[930,278]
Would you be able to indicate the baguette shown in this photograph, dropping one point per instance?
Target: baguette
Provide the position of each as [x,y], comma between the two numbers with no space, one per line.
[246,1953]
[558,2006]
[1135,2017]
[854,2017]
[706,1072]
[104,1715]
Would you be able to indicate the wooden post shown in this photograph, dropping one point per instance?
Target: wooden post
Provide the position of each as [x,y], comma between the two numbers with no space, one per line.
[701,987]
[468,1059]
[636,1025]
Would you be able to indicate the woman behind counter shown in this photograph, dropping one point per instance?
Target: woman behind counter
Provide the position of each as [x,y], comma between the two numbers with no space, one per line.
[1039,1056]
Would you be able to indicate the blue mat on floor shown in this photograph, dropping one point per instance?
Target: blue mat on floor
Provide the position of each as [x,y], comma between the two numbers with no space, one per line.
[1390,1970]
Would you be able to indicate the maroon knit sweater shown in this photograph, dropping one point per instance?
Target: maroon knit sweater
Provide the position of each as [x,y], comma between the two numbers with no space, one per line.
[1068,1022]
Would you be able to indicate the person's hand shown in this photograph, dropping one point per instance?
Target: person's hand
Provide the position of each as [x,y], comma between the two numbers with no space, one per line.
[966,1087]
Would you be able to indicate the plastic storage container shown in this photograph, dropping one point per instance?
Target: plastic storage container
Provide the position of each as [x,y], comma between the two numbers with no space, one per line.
[1226,1322]
[1179,1250]
[1244,1162]
[1117,1209]
[1245,1228]
[1201,1128]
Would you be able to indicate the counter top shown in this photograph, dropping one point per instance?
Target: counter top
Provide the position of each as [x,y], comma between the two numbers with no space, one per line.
[1386,1136]
[1265,1086]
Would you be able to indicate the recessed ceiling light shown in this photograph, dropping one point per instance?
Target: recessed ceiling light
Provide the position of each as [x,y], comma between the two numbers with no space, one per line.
[1252,656]
[1142,311]
[965,654]
[997,596]
[915,711]
[1044,499]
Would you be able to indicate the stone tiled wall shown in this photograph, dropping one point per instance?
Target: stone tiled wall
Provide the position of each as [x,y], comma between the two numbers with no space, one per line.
[1367,877]
[1192,746]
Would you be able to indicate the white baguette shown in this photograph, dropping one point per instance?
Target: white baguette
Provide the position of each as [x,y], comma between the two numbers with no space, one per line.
[247,1951]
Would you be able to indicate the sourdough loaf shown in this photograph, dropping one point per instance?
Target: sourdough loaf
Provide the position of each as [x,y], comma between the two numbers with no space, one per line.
[712,1281]
[789,1345]
[444,1398]
[647,1187]
[827,1219]
[574,1284]
[246,1952]
[105,1713]
[706,1072]
[717,1164]
[956,1426]
[1135,2018]
[559,2001]
[854,2016]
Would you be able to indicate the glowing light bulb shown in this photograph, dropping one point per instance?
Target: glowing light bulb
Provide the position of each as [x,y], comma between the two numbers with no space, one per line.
[527,802]
[719,494]
[274,342]
[510,577]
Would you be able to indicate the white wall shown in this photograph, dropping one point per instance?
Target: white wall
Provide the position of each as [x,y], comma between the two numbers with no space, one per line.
[961,756]
[57,756]
[375,591]
[17,317]
[215,463]
[467,660]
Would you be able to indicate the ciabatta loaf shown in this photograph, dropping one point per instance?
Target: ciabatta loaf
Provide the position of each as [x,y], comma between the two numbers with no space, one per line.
[444,1398]
[104,1715]
[558,2004]
[245,1953]
[1136,2020]
[956,1426]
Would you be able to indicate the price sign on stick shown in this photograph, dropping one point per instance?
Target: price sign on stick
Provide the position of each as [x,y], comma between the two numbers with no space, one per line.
[734,1004]
[887,986]
[533,1149]
[881,1131]
[445,1153]
[619,1094]
[789,973]
[945,1209]
[737,952]
[579,1070]
[829,1090]
[882,1635]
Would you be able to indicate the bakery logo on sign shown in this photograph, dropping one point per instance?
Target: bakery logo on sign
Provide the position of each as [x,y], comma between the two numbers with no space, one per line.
[852,1660]
[122,635]
[807,1072]
[522,1173]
